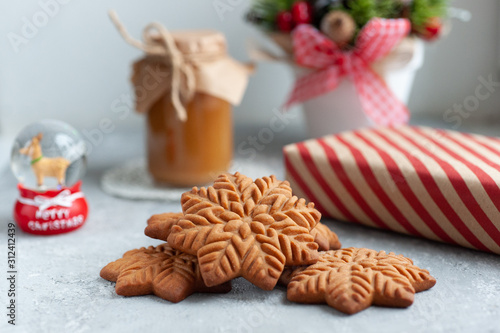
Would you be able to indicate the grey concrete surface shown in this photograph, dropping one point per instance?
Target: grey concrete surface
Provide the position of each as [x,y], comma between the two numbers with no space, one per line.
[59,289]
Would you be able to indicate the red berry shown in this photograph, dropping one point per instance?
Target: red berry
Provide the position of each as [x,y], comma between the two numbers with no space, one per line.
[431,30]
[302,12]
[284,21]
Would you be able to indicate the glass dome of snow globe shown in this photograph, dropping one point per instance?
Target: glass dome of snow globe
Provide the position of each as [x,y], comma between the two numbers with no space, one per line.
[48,154]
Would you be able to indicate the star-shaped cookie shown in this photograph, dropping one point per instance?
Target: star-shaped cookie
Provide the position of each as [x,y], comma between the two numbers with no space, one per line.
[239,227]
[161,270]
[352,279]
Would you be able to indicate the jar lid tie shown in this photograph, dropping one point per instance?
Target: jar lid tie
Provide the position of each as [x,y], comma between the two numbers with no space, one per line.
[159,41]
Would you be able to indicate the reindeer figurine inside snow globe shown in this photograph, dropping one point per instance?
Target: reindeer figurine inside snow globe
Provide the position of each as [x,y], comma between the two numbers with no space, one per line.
[45,166]
[49,158]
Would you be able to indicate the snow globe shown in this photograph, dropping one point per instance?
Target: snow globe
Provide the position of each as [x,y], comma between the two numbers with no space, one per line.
[48,159]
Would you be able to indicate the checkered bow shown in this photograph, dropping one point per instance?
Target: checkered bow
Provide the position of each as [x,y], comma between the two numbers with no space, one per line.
[314,50]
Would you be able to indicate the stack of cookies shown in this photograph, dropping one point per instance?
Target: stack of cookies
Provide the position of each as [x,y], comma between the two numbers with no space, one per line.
[259,231]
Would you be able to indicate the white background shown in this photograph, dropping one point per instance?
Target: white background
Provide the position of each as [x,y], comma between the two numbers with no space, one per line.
[76,66]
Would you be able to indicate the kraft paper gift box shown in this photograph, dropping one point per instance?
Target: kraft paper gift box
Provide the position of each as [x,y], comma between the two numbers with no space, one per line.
[432,183]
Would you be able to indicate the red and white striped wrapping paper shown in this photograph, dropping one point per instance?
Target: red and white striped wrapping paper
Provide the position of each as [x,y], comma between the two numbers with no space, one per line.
[442,185]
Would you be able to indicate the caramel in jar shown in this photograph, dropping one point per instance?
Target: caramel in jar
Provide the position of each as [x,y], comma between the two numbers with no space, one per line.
[193,152]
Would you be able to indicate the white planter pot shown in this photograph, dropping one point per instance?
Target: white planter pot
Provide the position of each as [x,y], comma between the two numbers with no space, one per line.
[340,110]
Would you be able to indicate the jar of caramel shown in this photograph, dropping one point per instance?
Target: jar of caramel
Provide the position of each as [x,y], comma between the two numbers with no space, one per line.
[186,85]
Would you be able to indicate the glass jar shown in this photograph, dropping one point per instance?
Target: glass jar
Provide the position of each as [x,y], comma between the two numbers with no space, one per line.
[193,152]
[186,85]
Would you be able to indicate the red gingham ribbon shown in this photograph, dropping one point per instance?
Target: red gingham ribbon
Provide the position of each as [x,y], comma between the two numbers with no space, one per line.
[314,50]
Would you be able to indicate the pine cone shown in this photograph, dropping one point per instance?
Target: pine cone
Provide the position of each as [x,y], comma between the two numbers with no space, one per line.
[338,26]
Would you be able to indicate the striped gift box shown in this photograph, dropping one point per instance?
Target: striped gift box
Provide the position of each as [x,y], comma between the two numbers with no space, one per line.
[442,185]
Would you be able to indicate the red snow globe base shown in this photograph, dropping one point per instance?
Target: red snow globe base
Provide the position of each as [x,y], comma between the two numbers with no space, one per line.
[51,212]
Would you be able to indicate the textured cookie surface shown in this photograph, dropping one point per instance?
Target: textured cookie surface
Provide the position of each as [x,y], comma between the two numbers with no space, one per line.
[239,227]
[288,274]
[350,280]
[161,270]
[326,238]
[159,225]
[290,271]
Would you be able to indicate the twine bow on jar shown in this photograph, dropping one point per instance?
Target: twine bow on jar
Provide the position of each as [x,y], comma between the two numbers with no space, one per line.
[158,41]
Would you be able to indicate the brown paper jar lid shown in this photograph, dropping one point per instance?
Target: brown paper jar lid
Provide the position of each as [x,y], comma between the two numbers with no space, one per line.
[200,42]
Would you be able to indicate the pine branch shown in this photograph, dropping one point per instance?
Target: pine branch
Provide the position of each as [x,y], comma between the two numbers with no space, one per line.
[423,10]
[264,12]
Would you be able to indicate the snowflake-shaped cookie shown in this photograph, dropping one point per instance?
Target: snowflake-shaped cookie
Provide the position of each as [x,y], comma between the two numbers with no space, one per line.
[162,270]
[239,227]
[352,279]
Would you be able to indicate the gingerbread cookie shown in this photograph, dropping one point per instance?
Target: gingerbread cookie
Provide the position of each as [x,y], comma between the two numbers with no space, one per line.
[352,279]
[163,271]
[239,227]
